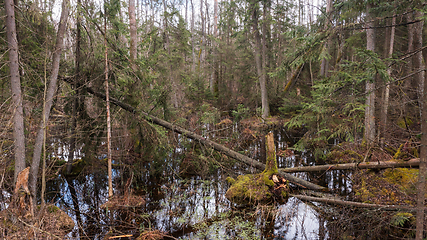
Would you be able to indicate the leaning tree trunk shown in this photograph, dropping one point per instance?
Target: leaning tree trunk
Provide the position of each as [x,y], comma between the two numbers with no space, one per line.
[370,86]
[15,84]
[51,90]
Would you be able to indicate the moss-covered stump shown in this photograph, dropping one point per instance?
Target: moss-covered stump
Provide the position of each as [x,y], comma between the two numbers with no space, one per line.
[262,187]
[257,188]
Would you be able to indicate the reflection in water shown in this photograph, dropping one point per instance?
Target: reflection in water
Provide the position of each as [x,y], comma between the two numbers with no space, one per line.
[193,207]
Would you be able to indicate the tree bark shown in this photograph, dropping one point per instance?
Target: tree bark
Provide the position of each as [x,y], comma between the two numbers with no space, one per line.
[76,90]
[133,34]
[258,61]
[15,80]
[51,90]
[107,100]
[386,93]
[193,53]
[173,81]
[418,58]
[370,86]
[212,144]
[353,166]
[324,66]
[423,166]
[214,76]
[408,67]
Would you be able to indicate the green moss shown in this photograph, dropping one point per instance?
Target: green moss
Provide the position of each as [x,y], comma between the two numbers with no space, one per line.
[230,180]
[52,208]
[266,177]
[249,188]
[402,122]
[285,194]
[404,178]
[253,188]
[398,153]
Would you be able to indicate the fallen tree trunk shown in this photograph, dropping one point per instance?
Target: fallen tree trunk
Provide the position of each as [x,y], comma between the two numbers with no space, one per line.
[351,166]
[201,139]
[355,204]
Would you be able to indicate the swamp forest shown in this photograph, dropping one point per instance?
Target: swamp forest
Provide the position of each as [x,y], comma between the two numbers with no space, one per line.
[197,119]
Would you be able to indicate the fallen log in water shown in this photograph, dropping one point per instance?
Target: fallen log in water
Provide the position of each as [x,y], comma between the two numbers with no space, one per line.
[355,204]
[351,166]
[201,139]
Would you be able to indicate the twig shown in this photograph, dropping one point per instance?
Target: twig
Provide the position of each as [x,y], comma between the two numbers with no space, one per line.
[38,229]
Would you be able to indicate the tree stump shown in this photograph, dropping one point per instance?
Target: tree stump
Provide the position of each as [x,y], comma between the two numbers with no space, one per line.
[262,187]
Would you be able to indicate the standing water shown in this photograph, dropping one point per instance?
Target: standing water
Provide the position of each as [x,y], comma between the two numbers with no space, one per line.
[191,207]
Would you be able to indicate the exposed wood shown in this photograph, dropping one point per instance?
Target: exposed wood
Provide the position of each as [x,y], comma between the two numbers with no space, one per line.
[355,204]
[351,166]
[214,145]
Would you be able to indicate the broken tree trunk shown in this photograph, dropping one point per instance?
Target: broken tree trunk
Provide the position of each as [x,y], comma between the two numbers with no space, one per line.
[214,145]
[351,166]
[355,204]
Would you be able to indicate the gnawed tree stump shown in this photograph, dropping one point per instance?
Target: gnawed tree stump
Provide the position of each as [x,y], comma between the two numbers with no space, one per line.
[22,198]
[261,187]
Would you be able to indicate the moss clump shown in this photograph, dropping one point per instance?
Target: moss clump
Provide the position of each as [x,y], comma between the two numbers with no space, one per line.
[230,180]
[52,208]
[249,188]
[253,188]
[404,178]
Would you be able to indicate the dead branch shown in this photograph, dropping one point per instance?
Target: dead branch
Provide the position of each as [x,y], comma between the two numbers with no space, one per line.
[353,166]
[355,204]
